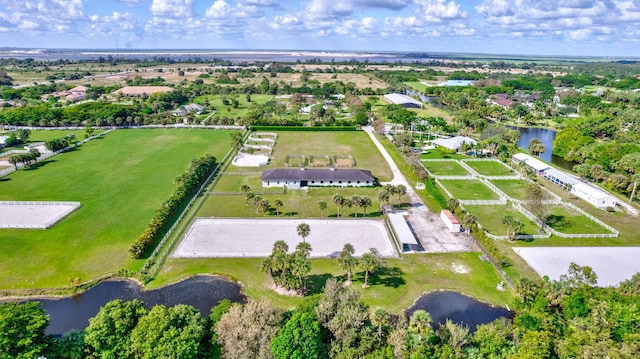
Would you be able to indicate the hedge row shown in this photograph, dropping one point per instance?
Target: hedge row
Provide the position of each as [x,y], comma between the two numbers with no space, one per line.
[188,183]
[303,128]
[488,244]
[430,186]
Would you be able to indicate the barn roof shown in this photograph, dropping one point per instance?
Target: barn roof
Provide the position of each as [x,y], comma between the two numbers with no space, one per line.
[317,174]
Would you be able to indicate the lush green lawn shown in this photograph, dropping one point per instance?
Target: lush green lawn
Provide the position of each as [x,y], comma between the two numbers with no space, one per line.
[418,86]
[449,168]
[469,189]
[567,220]
[356,144]
[47,135]
[243,105]
[489,168]
[515,189]
[120,180]
[490,218]
[437,153]
[395,290]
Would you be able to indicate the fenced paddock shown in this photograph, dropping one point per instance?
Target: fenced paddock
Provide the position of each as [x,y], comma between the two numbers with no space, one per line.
[34,215]
[239,237]
[611,264]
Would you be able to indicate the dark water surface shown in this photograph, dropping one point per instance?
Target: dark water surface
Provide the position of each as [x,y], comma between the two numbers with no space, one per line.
[201,292]
[459,308]
[547,137]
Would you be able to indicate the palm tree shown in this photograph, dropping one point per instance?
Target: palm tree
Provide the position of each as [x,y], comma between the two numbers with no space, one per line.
[278,203]
[507,220]
[338,200]
[370,262]
[322,205]
[264,205]
[256,201]
[248,198]
[468,221]
[304,248]
[383,196]
[299,266]
[452,203]
[303,231]
[379,318]
[364,203]
[245,189]
[347,261]
[355,201]
[400,190]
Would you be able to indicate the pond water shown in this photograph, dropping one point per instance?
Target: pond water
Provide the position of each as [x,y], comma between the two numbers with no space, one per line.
[201,292]
[459,308]
[547,137]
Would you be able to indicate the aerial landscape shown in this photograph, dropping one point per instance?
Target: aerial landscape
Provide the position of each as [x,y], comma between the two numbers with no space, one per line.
[308,179]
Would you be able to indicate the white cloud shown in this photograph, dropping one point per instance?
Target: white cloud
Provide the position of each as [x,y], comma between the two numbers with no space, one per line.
[439,10]
[175,9]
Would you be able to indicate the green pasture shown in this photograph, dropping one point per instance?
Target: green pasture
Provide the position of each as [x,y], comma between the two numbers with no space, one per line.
[243,106]
[469,190]
[515,189]
[567,220]
[349,143]
[417,86]
[395,289]
[490,218]
[120,180]
[438,153]
[448,168]
[489,168]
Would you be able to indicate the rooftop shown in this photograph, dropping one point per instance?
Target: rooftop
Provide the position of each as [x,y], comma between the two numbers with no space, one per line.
[399,99]
[141,90]
[591,191]
[317,174]
[562,176]
[454,143]
[532,162]
[401,229]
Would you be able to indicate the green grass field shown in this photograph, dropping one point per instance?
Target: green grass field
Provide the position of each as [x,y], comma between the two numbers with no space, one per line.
[356,144]
[418,86]
[469,190]
[437,153]
[567,220]
[515,189]
[489,168]
[243,105]
[448,168]
[490,218]
[120,180]
[395,290]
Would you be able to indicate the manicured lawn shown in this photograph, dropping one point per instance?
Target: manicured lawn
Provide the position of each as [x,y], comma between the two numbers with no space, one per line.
[396,290]
[418,86]
[490,218]
[448,168]
[515,189]
[120,180]
[489,168]
[567,220]
[243,105]
[469,189]
[437,153]
[356,144]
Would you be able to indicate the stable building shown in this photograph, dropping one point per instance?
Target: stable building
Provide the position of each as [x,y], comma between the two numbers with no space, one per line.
[534,164]
[295,178]
[560,178]
[593,195]
[402,100]
[453,143]
[402,232]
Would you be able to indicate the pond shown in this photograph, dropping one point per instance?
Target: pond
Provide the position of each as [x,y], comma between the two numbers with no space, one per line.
[547,137]
[459,308]
[201,292]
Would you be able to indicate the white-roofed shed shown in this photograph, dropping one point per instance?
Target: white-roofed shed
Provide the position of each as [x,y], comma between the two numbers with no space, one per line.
[533,163]
[454,143]
[403,234]
[402,100]
[593,195]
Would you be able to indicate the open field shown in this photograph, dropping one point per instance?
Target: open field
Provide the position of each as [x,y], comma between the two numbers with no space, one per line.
[567,220]
[120,181]
[394,290]
[243,106]
[432,111]
[611,264]
[241,238]
[489,168]
[417,86]
[437,153]
[489,218]
[356,144]
[468,189]
[515,189]
[446,168]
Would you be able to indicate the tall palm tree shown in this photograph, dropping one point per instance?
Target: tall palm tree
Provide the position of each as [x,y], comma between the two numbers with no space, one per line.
[338,200]
[245,189]
[303,231]
[322,205]
[304,248]
[383,196]
[370,262]
[379,318]
[400,190]
[278,204]
[364,203]
[507,220]
[355,201]
[248,198]
[347,261]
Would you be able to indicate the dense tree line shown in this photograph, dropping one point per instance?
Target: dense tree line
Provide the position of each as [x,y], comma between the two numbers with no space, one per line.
[188,183]
[565,318]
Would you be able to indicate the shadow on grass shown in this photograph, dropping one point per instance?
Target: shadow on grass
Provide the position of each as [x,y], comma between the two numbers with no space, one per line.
[388,277]
[38,165]
[558,222]
[316,282]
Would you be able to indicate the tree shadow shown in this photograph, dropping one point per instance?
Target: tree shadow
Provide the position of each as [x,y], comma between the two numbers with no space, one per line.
[35,166]
[387,276]
[288,214]
[557,222]
[316,282]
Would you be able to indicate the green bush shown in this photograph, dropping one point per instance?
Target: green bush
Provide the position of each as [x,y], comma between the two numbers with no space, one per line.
[430,186]
[303,128]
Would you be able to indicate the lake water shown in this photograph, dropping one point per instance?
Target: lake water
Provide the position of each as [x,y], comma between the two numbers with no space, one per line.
[201,292]
[547,137]
[458,308]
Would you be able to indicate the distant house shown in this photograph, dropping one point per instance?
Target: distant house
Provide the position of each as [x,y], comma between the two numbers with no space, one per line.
[194,108]
[402,100]
[453,143]
[593,195]
[295,178]
[501,100]
[142,90]
[532,163]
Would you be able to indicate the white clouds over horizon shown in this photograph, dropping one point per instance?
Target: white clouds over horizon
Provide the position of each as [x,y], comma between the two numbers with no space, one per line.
[442,25]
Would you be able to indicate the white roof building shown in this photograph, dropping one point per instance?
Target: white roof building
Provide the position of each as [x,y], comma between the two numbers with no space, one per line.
[406,240]
[454,143]
[402,100]
[534,163]
[560,178]
[450,220]
[593,195]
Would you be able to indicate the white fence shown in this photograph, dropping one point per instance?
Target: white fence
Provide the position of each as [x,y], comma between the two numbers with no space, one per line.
[471,177]
[495,189]
[484,202]
[581,211]
[513,177]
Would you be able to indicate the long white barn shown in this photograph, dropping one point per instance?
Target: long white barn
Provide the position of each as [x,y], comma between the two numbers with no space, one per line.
[295,178]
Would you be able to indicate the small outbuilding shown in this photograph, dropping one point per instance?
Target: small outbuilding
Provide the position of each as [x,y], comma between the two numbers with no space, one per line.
[402,100]
[402,233]
[532,163]
[453,143]
[450,220]
[593,195]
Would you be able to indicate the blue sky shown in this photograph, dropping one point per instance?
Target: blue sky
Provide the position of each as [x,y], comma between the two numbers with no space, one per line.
[607,28]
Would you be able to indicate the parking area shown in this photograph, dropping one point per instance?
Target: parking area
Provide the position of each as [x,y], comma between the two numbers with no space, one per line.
[237,237]
[612,264]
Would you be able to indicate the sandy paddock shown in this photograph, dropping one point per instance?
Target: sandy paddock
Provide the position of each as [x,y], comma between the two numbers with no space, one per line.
[39,215]
[217,237]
